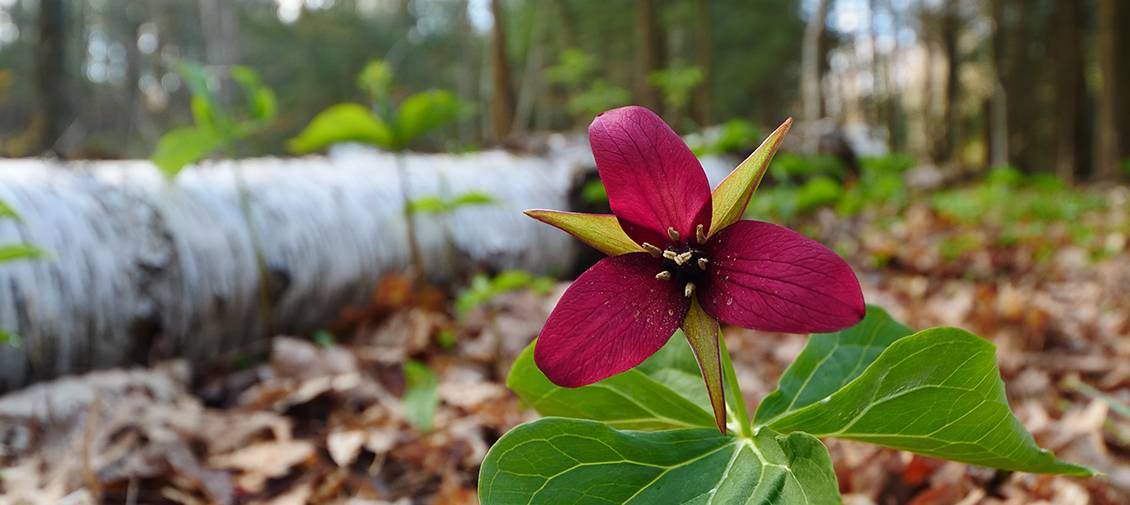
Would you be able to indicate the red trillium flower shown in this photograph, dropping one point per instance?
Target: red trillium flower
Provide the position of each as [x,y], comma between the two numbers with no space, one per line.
[680,256]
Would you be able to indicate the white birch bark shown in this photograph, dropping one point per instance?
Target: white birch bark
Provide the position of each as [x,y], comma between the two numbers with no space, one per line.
[142,268]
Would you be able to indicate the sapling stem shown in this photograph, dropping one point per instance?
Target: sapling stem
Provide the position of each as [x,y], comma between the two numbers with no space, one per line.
[414,256]
[733,391]
[243,193]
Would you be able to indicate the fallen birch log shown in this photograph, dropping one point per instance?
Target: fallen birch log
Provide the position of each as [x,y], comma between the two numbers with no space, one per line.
[143,268]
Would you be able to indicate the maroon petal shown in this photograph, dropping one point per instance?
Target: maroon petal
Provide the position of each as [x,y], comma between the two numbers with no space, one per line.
[653,179]
[612,318]
[768,277]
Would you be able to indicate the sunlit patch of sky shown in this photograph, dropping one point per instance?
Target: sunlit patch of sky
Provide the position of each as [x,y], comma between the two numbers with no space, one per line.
[854,17]
[105,59]
[431,15]
[9,32]
[290,10]
[478,11]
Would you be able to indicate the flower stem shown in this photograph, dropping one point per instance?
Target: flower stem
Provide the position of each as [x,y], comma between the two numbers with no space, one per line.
[734,392]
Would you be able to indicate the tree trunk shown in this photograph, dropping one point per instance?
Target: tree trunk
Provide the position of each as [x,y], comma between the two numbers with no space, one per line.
[704,49]
[532,74]
[220,26]
[949,138]
[142,269]
[502,99]
[893,101]
[1069,88]
[810,72]
[53,111]
[469,134]
[1123,48]
[998,108]
[650,53]
[875,111]
[1109,149]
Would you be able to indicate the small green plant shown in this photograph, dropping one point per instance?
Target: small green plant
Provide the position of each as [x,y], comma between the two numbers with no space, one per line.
[794,169]
[440,206]
[14,252]
[381,123]
[734,136]
[1038,198]
[806,183]
[324,338]
[215,126]
[589,95]
[421,398]
[593,193]
[677,83]
[385,125]
[599,96]
[483,289]
[9,338]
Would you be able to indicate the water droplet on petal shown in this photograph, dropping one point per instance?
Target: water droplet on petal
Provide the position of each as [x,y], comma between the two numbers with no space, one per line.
[729,300]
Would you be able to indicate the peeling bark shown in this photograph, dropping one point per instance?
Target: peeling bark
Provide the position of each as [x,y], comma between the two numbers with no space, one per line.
[144,269]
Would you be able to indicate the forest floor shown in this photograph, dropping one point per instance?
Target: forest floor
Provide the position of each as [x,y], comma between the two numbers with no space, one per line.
[326,420]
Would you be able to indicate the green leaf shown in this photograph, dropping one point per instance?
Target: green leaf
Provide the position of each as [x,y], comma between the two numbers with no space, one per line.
[375,79]
[630,400]
[423,112]
[206,111]
[433,204]
[344,122]
[483,289]
[13,252]
[426,205]
[828,362]
[937,393]
[183,146]
[6,211]
[10,339]
[472,198]
[420,397]
[261,104]
[570,461]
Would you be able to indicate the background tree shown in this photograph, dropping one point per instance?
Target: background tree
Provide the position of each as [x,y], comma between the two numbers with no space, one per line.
[53,112]
[502,99]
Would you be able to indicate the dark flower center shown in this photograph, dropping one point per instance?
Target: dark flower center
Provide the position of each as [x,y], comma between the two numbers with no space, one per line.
[685,263]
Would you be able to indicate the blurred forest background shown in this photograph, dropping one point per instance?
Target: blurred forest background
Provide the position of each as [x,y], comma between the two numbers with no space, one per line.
[968,158]
[970,84]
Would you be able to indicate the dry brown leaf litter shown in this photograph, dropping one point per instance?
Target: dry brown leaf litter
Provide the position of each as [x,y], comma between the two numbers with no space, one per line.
[324,424]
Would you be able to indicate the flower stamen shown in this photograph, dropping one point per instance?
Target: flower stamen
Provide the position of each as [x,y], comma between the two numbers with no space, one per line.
[702,264]
[688,290]
[700,234]
[682,258]
[671,255]
[663,276]
[655,252]
[673,234]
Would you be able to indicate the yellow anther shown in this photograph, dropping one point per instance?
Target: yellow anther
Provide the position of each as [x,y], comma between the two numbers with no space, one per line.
[655,252]
[700,234]
[702,263]
[689,290]
[669,254]
[682,258]
[673,234]
[663,276]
